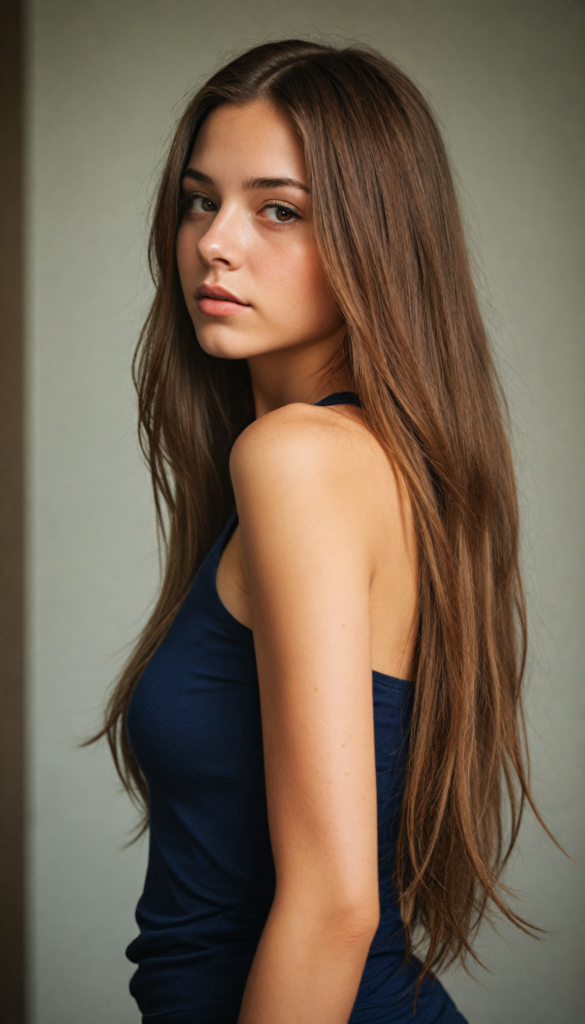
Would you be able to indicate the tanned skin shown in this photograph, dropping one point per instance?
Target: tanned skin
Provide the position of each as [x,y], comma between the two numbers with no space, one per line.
[322,566]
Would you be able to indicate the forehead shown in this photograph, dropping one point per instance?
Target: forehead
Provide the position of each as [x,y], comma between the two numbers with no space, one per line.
[253,140]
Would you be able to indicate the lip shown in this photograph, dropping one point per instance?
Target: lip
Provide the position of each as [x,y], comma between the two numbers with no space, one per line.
[213,300]
[216,292]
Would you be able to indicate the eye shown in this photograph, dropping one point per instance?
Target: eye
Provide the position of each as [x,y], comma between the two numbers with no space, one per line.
[196,203]
[280,214]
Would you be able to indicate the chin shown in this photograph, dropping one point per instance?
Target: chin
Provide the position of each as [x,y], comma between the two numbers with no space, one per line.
[220,344]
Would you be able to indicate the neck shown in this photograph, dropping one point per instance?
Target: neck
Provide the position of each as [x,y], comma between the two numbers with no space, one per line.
[301,373]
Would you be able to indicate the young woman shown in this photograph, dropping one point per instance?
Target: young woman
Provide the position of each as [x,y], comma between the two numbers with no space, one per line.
[322,716]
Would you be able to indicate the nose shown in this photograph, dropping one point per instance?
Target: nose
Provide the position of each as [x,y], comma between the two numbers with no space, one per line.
[223,242]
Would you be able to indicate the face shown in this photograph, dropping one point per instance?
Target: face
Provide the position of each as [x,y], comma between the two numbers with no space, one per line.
[246,251]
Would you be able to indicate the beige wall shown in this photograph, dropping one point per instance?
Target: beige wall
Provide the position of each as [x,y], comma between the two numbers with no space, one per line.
[104,79]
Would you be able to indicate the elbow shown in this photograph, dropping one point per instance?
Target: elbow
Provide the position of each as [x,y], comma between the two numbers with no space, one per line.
[356,924]
[342,920]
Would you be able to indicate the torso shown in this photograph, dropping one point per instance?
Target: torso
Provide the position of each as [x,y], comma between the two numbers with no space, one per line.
[196,727]
[383,518]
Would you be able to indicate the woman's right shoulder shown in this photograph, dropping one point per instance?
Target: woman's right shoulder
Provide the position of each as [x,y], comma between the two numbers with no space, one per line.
[285,455]
[301,461]
[277,439]
[316,451]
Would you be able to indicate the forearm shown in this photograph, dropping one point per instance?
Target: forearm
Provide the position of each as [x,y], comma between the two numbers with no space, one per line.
[307,968]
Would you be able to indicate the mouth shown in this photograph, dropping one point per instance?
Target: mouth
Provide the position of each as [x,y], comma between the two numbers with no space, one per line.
[213,300]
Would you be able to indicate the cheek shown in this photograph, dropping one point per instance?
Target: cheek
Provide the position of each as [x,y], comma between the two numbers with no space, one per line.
[296,282]
[316,282]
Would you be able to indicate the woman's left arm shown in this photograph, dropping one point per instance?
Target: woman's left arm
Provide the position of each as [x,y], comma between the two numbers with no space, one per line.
[308,570]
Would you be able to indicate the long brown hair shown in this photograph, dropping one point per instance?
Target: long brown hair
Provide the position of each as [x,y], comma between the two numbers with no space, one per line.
[392,245]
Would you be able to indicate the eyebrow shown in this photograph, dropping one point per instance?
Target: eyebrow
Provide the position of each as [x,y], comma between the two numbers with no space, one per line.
[276,183]
[192,172]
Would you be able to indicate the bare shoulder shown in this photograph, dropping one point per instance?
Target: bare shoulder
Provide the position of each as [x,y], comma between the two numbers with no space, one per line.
[296,429]
[301,451]
[318,499]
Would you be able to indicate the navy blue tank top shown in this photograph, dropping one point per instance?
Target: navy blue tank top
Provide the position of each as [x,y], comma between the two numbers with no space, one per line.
[195,728]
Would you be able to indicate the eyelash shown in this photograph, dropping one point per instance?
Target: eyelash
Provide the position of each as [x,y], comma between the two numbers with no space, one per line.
[184,200]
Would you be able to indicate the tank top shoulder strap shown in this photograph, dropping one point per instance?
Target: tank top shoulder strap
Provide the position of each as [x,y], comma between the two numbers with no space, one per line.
[340,398]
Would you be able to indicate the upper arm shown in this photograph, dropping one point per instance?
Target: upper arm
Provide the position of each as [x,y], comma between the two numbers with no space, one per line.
[308,572]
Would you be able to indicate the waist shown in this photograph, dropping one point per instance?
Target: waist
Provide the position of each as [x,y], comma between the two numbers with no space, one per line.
[201,961]
[207,986]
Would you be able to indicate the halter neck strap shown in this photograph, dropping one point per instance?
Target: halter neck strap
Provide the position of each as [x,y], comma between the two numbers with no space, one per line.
[340,398]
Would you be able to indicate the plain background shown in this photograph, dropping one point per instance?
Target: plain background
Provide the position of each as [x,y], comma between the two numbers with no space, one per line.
[106,78]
